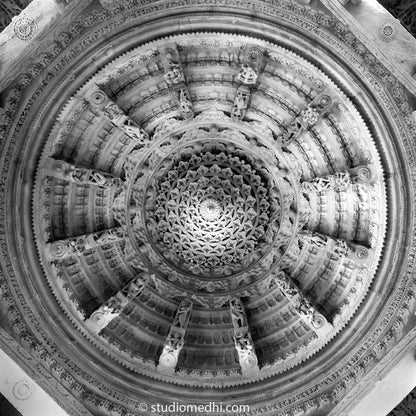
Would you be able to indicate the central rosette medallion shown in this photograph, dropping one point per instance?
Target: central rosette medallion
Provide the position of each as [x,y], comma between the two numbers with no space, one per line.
[204,205]
[208,212]
[210,209]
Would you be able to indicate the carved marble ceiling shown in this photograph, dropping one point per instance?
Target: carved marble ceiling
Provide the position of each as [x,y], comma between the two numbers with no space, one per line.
[277,199]
[208,207]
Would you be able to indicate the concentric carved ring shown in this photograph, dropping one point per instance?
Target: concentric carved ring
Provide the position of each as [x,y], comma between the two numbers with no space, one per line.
[23,389]
[208,212]
[209,209]
[363,174]
[361,253]
[25,28]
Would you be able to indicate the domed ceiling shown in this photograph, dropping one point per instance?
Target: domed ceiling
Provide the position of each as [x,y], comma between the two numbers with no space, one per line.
[205,205]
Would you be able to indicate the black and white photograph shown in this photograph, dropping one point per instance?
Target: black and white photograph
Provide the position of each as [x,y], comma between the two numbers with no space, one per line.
[207,207]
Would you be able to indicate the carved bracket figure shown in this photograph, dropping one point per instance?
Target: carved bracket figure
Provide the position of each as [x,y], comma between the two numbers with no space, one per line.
[172,67]
[251,67]
[185,103]
[114,306]
[252,59]
[77,174]
[242,338]
[247,75]
[99,100]
[303,211]
[175,79]
[306,119]
[60,249]
[304,308]
[338,182]
[241,102]
[176,338]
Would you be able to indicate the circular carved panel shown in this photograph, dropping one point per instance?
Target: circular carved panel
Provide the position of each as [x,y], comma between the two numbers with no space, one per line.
[208,212]
[23,389]
[25,28]
[224,168]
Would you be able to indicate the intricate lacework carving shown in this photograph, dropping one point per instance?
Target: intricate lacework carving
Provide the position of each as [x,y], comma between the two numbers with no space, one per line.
[195,238]
[154,163]
[337,182]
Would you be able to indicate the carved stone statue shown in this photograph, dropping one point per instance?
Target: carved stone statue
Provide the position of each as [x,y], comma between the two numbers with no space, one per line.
[305,309]
[237,314]
[117,116]
[242,338]
[288,290]
[248,75]
[106,313]
[243,343]
[176,337]
[342,180]
[136,133]
[114,113]
[309,116]
[174,342]
[135,288]
[185,104]
[174,76]
[114,305]
[291,132]
[182,315]
[241,101]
